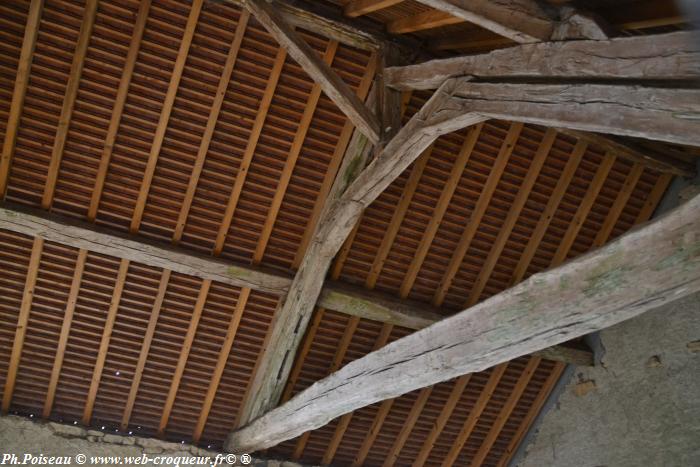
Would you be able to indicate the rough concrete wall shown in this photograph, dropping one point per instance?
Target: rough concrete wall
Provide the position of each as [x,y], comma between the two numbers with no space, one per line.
[22,436]
[641,406]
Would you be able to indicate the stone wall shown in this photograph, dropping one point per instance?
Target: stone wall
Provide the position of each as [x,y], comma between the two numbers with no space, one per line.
[21,436]
[639,407]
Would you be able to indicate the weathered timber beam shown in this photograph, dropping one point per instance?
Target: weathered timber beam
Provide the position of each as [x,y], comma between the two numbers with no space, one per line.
[674,56]
[651,265]
[331,84]
[664,114]
[519,20]
[343,298]
[345,205]
[377,306]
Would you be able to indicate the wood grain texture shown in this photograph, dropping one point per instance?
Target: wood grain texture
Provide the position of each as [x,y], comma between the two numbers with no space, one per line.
[674,56]
[647,267]
[662,114]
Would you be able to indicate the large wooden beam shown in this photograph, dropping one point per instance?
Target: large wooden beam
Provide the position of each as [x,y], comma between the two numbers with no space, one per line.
[647,267]
[664,114]
[343,298]
[344,209]
[519,20]
[674,56]
[334,87]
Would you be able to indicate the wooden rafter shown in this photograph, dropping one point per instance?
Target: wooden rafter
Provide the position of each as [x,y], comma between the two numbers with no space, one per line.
[221,362]
[65,330]
[334,87]
[505,411]
[22,322]
[445,414]
[184,354]
[145,348]
[519,20]
[618,205]
[292,156]
[584,208]
[104,342]
[654,198]
[26,57]
[535,408]
[547,215]
[76,70]
[165,112]
[592,292]
[512,217]
[252,144]
[338,153]
[478,212]
[427,20]
[211,124]
[407,427]
[440,208]
[337,362]
[382,412]
[118,108]
[474,414]
[362,7]
[654,57]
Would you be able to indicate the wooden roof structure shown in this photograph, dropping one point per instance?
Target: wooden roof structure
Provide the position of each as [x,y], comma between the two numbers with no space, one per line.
[168,166]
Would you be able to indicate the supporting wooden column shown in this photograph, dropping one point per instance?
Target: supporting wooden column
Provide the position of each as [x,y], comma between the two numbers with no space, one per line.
[643,269]
[338,220]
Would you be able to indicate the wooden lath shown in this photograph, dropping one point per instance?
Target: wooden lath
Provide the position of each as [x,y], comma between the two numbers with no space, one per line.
[338,153]
[221,362]
[22,320]
[260,117]
[474,414]
[31,31]
[532,413]
[69,101]
[506,410]
[513,215]
[292,157]
[478,212]
[104,343]
[548,213]
[168,104]
[440,208]
[184,354]
[211,124]
[145,348]
[334,87]
[65,330]
[441,421]
[119,102]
